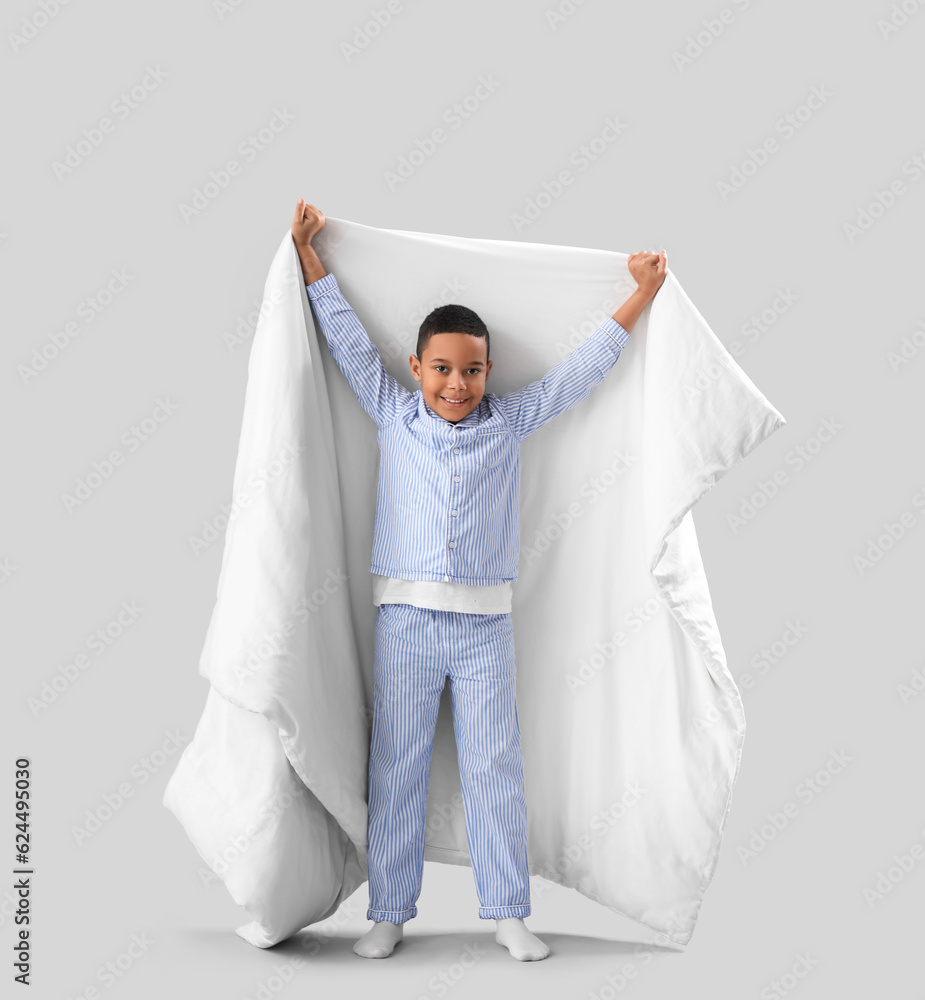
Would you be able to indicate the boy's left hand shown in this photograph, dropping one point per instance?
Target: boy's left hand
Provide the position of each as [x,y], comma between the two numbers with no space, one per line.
[649,270]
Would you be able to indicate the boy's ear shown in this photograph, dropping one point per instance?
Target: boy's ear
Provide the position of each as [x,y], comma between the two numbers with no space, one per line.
[415,365]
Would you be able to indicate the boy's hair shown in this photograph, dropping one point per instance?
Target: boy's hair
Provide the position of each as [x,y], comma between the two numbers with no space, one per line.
[452,318]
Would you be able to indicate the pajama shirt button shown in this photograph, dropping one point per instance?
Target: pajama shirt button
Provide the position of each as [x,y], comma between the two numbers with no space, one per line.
[452,545]
[456,450]
[454,512]
[455,479]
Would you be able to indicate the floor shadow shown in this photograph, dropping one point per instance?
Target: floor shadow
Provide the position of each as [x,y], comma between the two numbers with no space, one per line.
[428,948]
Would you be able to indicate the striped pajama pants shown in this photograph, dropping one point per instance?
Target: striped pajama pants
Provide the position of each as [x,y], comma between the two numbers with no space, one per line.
[416,651]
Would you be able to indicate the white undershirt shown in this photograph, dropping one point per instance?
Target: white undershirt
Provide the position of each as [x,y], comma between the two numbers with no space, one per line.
[443,595]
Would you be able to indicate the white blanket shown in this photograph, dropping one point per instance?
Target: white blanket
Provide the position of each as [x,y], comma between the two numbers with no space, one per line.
[632,726]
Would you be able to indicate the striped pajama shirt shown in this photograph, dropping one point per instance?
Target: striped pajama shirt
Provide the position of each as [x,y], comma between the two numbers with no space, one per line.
[447,509]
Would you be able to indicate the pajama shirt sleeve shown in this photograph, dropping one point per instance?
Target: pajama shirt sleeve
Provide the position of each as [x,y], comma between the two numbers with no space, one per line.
[567,384]
[381,395]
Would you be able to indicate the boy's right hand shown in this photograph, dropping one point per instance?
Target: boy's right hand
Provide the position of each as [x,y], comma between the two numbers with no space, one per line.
[649,270]
[306,222]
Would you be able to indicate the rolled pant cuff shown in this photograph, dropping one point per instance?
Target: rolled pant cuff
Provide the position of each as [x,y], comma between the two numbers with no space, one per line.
[499,912]
[393,916]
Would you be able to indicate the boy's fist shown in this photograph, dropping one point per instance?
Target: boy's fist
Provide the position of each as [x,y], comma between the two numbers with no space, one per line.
[649,269]
[306,222]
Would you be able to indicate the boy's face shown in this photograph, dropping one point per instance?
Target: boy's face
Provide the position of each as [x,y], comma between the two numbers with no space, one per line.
[454,367]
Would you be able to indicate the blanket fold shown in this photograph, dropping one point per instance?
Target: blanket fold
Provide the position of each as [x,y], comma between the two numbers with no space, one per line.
[632,726]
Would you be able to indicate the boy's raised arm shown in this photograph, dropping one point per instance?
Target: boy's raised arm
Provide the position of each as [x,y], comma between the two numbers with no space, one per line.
[573,378]
[381,395]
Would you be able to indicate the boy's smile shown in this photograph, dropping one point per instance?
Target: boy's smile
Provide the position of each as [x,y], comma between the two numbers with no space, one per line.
[452,373]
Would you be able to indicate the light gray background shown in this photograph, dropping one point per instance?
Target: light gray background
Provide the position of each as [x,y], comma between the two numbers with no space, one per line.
[826,357]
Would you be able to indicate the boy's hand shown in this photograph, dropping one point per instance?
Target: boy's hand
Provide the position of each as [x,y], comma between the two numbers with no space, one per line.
[649,270]
[306,222]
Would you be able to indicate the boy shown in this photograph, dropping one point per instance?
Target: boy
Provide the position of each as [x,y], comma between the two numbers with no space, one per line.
[445,554]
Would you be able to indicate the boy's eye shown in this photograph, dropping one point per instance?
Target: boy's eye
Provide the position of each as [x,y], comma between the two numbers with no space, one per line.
[476,370]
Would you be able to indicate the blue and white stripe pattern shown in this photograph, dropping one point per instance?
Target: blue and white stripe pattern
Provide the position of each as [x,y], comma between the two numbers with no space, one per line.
[416,651]
[448,502]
